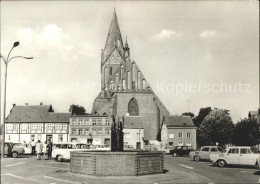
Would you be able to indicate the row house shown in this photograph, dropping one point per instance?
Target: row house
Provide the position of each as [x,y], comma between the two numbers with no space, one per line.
[36,122]
[178,131]
[90,129]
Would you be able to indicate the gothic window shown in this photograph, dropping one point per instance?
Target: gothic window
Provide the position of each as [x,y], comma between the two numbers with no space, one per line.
[133,84]
[110,71]
[133,107]
[144,84]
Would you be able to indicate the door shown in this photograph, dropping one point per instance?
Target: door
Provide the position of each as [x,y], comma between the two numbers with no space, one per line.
[49,137]
[247,157]
[107,142]
[90,141]
[232,157]
[204,154]
[138,145]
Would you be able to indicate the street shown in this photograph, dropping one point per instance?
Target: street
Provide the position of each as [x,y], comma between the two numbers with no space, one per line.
[177,170]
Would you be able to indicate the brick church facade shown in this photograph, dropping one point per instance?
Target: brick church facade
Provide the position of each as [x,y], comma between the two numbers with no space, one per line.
[124,89]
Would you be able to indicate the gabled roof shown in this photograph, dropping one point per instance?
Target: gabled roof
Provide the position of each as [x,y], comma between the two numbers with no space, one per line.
[113,37]
[179,121]
[133,122]
[252,113]
[36,113]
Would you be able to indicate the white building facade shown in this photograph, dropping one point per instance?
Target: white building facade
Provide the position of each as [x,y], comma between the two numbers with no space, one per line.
[38,122]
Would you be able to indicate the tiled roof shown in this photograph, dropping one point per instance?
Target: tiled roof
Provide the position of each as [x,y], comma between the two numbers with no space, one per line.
[253,113]
[133,122]
[36,113]
[179,121]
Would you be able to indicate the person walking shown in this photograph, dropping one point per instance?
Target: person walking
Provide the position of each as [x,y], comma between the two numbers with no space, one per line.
[33,144]
[38,149]
[49,149]
[44,150]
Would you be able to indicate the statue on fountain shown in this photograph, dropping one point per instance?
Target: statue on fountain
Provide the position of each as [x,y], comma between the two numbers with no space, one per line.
[117,135]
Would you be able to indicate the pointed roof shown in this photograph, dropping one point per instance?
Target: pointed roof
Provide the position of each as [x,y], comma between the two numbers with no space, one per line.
[114,38]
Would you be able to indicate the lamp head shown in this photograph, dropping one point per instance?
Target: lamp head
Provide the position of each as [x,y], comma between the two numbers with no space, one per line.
[16,44]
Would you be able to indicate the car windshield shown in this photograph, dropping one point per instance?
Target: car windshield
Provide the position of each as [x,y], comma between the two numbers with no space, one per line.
[221,149]
[254,150]
[18,144]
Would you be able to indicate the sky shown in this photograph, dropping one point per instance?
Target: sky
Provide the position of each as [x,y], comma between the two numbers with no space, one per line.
[193,54]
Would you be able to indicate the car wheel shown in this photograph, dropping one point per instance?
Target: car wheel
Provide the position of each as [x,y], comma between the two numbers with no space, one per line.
[59,159]
[197,158]
[14,154]
[222,163]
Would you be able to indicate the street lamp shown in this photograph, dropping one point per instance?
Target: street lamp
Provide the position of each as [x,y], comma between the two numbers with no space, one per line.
[7,61]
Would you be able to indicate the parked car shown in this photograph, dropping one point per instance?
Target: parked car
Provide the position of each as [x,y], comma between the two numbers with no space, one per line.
[181,151]
[26,146]
[10,149]
[129,147]
[204,152]
[61,151]
[102,147]
[166,149]
[238,155]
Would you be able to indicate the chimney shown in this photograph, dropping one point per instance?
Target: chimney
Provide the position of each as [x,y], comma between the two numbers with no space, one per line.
[41,103]
[26,103]
[14,105]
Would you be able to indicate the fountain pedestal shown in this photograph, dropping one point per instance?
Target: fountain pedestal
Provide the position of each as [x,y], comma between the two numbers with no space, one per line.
[127,163]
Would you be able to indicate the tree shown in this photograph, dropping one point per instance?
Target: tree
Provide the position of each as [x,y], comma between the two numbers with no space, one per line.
[77,110]
[246,132]
[188,114]
[217,127]
[202,114]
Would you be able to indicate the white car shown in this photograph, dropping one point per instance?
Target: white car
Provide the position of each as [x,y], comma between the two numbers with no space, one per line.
[61,151]
[241,155]
[102,147]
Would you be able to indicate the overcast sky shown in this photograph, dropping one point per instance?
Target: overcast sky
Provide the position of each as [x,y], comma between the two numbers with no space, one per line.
[202,51]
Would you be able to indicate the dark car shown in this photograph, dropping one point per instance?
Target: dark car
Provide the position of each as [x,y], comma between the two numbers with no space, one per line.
[181,151]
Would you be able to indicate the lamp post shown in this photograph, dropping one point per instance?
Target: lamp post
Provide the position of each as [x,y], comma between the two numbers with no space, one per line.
[7,61]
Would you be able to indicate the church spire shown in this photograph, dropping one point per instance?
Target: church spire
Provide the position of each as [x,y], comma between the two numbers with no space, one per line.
[114,39]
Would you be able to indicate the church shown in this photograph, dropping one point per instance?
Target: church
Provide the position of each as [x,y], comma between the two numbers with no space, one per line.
[124,89]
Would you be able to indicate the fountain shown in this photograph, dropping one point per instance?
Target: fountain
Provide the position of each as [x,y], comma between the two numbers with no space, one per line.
[117,162]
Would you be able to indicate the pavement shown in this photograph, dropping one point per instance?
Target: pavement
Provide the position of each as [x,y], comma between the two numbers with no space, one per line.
[177,170]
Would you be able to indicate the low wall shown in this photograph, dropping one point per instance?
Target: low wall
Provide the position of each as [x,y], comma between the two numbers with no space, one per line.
[116,163]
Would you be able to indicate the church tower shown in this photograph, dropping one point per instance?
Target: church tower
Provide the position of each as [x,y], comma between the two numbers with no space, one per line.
[124,89]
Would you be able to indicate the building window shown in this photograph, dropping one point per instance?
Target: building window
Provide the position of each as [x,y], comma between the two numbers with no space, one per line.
[127,135]
[99,132]
[36,126]
[180,144]
[74,123]
[58,126]
[86,131]
[60,138]
[80,132]
[180,134]
[188,135]
[15,126]
[133,107]
[171,135]
[107,131]
[106,122]
[99,122]
[64,126]
[23,126]
[74,132]
[188,143]
[94,122]
[80,122]
[170,143]
[94,132]
[86,121]
[110,71]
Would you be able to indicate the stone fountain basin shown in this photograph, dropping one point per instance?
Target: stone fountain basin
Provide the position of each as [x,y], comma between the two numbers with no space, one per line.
[126,163]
